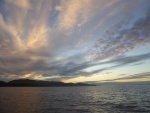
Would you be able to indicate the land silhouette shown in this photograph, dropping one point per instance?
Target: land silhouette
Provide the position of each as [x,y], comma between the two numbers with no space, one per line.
[38,83]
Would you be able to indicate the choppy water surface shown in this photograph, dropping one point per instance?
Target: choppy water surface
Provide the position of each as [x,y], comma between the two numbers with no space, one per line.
[87,99]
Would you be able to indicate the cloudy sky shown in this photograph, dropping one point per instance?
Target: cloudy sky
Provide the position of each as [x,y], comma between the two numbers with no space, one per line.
[75,40]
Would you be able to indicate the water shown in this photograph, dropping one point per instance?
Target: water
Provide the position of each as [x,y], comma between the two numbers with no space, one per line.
[87,99]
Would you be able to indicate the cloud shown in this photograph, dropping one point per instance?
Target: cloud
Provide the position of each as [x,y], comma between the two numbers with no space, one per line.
[72,12]
[136,76]
[120,38]
[120,61]
[54,39]
[23,38]
[117,62]
[125,60]
[25,4]
[72,69]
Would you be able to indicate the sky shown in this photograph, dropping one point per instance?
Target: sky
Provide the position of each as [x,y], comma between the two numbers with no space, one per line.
[75,40]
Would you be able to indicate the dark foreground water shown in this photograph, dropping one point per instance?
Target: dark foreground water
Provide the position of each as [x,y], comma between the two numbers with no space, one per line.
[87,99]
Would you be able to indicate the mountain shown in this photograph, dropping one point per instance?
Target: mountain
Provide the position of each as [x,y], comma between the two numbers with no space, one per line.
[2,83]
[35,83]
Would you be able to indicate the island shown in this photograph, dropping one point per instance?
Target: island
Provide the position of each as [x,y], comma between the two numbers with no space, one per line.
[38,83]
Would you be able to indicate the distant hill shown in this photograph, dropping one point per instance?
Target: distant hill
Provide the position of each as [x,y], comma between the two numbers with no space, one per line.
[35,83]
[2,83]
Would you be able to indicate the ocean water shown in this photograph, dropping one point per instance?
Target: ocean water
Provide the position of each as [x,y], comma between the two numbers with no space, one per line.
[84,99]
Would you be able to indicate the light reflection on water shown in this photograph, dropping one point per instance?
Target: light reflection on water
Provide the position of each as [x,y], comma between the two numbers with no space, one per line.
[87,99]
[19,100]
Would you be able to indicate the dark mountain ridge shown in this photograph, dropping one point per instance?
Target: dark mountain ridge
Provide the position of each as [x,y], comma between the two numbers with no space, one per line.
[38,83]
[2,83]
